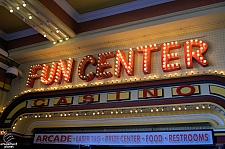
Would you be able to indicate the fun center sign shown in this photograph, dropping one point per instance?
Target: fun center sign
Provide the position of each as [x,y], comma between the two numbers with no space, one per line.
[63,70]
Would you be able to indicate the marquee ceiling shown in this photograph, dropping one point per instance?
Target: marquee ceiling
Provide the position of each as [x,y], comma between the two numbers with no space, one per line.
[56,21]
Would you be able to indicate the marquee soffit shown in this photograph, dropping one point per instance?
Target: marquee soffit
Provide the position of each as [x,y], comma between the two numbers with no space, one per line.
[125,34]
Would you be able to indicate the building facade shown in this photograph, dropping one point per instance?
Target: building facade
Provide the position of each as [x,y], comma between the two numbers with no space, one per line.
[145,78]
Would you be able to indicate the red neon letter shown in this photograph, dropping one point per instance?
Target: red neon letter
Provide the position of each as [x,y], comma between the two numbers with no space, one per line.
[145,91]
[128,66]
[117,95]
[198,55]
[147,50]
[83,65]
[62,100]
[46,78]
[192,90]
[64,71]
[167,57]
[102,65]
[33,75]
[88,98]
[39,105]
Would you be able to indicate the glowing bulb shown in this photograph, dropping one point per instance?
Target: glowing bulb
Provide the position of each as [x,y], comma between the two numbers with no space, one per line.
[30,17]
[197,107]
[18,8]
[11,10]
[67,38]
[203,106]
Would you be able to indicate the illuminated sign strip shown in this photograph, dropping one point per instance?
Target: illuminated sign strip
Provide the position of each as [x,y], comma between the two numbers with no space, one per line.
[130,95]
[134,138]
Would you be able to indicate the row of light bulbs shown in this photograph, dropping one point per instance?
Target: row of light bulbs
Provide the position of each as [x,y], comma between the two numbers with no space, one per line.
[117,81]
[4,131]
[25,11]
[120,111]
[113,82]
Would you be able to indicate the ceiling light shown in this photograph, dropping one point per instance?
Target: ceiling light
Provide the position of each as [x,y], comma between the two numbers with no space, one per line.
[24,4]
[55,35]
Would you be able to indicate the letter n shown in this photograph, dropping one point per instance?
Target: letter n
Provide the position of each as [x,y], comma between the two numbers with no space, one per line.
[154,94]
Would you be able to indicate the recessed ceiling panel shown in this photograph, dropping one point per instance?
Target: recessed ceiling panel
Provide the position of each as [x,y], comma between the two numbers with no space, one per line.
[11,23]
[84,6]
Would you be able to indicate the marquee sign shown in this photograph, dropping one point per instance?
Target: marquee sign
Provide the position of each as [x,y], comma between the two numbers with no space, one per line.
[135,138]
[193,49]
[144,93]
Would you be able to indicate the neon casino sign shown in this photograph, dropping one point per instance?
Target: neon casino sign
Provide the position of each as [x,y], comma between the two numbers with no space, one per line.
[64,69]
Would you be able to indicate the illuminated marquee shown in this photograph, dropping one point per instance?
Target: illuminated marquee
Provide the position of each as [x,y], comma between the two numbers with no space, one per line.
[144,93]
[135,138]
[193,49]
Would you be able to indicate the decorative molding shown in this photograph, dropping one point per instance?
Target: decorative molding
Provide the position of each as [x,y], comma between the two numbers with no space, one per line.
[139,4]
[168,119]
[3,66]
[19,34]
[3,52]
